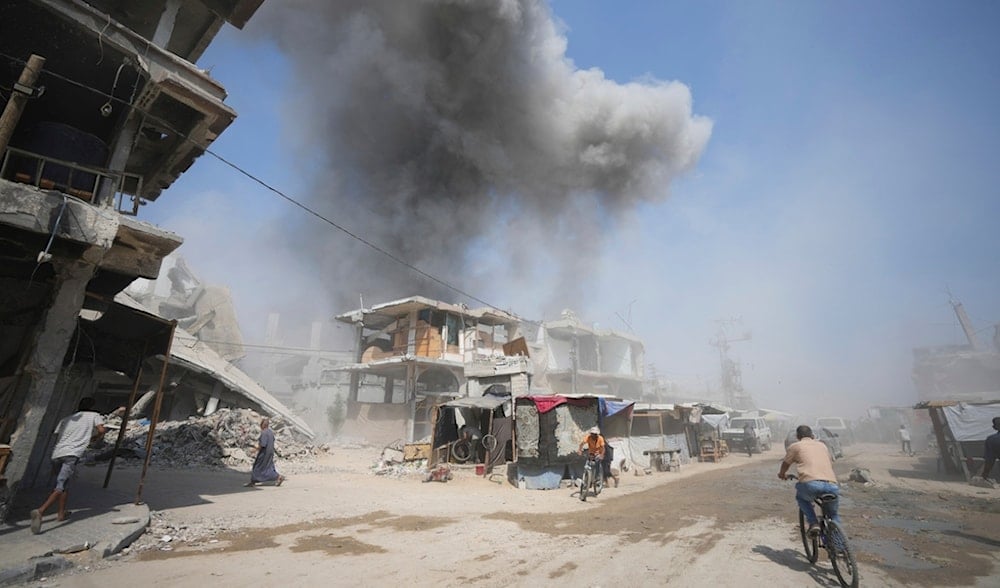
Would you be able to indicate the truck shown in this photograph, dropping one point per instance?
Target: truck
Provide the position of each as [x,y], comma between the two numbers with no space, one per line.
[733,434]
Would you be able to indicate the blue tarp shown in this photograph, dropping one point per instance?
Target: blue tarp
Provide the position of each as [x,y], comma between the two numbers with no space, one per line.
[613,407]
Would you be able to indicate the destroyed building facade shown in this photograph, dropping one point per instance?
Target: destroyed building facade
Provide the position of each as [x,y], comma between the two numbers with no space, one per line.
[412,355]
[106,109]
[578,359]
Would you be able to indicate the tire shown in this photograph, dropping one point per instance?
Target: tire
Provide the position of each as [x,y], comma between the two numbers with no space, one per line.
[584,485]
[598,483]
[810,544]
[461,451]
[841,556]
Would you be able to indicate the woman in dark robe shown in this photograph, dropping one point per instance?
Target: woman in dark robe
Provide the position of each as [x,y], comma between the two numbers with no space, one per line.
[263,464]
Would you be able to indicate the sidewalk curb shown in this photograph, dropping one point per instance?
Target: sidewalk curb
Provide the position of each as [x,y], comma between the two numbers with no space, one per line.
[118,541]
[33,569]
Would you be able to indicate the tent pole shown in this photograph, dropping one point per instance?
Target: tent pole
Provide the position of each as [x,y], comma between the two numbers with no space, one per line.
[156,414]
[128,411]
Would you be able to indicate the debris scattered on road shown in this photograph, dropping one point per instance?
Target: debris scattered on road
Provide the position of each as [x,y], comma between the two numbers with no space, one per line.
[981,482]
[441,473]
[862,475]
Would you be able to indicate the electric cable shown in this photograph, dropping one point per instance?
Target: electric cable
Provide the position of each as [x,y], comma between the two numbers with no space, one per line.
[268,186]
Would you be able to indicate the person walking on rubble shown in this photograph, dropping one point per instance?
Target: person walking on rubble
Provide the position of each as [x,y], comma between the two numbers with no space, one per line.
[75,434]
[263,463]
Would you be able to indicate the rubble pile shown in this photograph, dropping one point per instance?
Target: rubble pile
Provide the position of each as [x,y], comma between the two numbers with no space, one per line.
[391,463]
[224,438]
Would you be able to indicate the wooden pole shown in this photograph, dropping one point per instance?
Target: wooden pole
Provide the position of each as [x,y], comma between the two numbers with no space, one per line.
[156,414]
[15,106]
[128,411]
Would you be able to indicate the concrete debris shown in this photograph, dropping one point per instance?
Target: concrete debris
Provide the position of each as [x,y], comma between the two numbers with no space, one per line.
[981,482]
[222,439]
[861,475]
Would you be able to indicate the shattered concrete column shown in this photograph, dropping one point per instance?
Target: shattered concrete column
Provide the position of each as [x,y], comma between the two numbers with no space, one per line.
[213,401]
[411,400]
[352,393]
[42,367]
[411,337]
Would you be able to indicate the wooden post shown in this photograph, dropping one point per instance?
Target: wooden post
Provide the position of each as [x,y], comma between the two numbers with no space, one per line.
[15,106]
[156,414]
[128,412]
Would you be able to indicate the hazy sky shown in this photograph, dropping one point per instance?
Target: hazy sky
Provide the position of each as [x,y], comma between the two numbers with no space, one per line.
[849,182]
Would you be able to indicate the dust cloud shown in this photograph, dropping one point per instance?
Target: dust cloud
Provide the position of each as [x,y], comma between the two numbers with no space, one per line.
[458,136]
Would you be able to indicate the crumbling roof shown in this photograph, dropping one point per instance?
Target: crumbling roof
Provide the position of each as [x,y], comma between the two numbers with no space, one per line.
[571,327]
[192,354]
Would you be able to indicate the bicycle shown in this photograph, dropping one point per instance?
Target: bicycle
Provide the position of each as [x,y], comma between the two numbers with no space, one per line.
[592,479]
[830,537]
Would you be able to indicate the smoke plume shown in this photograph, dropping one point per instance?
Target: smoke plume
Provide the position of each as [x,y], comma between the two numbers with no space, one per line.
[456,132]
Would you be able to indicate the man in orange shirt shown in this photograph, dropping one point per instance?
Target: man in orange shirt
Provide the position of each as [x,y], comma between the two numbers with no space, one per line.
[594,444]
[815,473]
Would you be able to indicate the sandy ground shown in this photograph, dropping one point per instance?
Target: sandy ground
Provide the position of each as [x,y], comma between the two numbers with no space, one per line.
[727,524]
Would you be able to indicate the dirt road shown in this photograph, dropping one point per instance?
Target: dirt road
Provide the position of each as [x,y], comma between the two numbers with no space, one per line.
[727,524]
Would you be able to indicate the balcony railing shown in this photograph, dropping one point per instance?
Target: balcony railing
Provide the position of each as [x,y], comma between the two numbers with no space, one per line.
[80,181]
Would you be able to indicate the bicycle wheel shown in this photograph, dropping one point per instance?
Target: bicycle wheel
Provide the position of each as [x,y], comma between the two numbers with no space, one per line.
[844,564]
[585,484]
[461,451]
[810,544]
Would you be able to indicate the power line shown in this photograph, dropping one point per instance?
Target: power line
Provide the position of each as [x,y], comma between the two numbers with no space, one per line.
[264,184]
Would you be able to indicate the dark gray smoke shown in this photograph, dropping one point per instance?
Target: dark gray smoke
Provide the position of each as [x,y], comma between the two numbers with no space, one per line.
[453,131]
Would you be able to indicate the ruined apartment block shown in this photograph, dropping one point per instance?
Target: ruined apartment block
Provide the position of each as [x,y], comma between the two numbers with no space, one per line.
[575,359]
[104,109]
[415,354]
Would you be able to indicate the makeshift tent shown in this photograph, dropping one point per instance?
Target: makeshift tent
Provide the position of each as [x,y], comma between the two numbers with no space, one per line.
[661,426]
[490,415]
[961,429]
[548,432]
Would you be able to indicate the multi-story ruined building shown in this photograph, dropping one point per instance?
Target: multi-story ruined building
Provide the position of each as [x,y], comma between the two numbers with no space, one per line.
[415,354]
[576,359]
[104,109]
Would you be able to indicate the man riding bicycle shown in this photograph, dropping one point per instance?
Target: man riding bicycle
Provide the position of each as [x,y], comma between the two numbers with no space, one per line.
[594,443]
[815,473]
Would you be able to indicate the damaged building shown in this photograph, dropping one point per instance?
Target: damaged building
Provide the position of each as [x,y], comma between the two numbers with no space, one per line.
[959,386]
[574,358]
[105,110]
[412,356]
[466,386]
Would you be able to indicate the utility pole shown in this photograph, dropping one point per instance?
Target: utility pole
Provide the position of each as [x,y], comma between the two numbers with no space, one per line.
[23,89]
[963,319]
[732,377]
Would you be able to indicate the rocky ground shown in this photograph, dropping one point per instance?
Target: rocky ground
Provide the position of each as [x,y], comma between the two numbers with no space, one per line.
[726,524]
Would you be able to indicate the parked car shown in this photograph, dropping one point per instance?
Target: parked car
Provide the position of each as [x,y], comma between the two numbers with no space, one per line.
[824,436]
[733,433]
[836,425]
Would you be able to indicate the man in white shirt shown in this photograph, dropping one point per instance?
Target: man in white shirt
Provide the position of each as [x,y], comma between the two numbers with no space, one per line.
[904,438]
[75,433]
